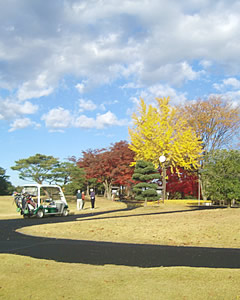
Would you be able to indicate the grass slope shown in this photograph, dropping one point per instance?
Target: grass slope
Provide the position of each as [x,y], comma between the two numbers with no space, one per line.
[166,224]
[28,278]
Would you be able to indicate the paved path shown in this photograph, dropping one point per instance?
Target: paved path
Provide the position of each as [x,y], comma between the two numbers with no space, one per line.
[101,253]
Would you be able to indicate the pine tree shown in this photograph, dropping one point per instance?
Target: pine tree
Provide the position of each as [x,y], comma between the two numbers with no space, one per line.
[145,189]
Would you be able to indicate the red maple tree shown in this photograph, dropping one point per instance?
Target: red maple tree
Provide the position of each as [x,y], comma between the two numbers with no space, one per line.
[185,184]
[109,165]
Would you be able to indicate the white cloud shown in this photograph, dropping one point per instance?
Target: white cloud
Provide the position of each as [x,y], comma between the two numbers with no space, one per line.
[81,87]
[175,74]
[35,88]
[157,45]
[154,34]
[10,109]
[205,63]
[102,121]
[167,91]
[159,91]
[233,82]
[86,105]
[131,85]
[89,105]
[57,119]
[85,122]
[136,39]
[232,97]
[218,86]
[103,105]
[227,83]
[22,123]
[156,91]
[108,119]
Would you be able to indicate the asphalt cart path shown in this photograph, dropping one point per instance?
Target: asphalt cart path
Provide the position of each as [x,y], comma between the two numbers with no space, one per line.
[101,253]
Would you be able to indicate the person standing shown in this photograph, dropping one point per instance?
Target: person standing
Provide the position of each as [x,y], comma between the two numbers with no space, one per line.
[79,199]
[83,200]
[92,196]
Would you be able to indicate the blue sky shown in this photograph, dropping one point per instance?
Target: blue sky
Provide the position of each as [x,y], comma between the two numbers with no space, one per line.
[72,72]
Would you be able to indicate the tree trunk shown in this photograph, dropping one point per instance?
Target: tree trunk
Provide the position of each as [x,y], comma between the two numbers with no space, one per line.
[202,183]
[108,189]
[128,190]
[202,188]
[87,190]
[145,202]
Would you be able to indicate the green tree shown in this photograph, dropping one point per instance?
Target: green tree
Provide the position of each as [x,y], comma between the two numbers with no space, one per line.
[38,168]
[145,173]
[215,121]
[221,175]
[62,172]
[6,187]
[67,172]
[74,177]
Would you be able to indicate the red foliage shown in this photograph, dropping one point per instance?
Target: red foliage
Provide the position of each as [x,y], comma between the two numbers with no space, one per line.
[123,156]
[88,162]
[109,165]
[186,184]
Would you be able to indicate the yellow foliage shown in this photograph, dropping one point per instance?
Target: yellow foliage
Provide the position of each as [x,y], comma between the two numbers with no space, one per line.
[158,131]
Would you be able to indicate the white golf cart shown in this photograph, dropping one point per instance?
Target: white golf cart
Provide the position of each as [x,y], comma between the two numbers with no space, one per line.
[41,200]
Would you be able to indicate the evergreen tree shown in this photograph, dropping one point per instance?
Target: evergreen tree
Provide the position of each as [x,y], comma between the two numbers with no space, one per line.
[6,187]
[38,168]
[221,175]
[145,174]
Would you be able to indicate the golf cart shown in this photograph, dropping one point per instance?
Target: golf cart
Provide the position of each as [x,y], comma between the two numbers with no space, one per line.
[41,200]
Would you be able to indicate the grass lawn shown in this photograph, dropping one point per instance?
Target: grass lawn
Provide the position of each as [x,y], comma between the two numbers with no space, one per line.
[28,278]
[168,224]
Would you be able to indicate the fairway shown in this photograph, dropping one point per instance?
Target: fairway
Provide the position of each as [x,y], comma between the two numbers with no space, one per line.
[168,224]
[141,225]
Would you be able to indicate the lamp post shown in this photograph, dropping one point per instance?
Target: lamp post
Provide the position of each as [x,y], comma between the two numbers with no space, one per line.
[199,188]
[162,160]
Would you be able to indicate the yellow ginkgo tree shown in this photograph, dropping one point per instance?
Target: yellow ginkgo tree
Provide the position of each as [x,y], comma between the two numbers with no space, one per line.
[159,131]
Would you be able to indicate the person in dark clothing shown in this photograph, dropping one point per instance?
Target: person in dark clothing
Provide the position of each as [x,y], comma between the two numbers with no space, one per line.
[92,196]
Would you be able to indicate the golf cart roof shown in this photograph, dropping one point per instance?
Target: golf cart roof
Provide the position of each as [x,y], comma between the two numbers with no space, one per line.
[41,185]
[37,189]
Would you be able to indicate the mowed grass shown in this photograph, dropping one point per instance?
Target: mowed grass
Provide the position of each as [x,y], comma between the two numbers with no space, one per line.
[8,208]
[168,224]
[28,278]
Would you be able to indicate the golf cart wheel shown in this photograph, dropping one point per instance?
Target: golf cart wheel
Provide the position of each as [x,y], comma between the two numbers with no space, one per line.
[26,216]
[65,212]
[40,214]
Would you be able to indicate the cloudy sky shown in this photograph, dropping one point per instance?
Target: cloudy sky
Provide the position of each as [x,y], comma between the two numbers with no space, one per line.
[72,72]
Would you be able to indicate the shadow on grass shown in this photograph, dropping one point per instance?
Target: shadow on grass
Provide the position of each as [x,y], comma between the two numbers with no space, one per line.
[101,253]
[192,208]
